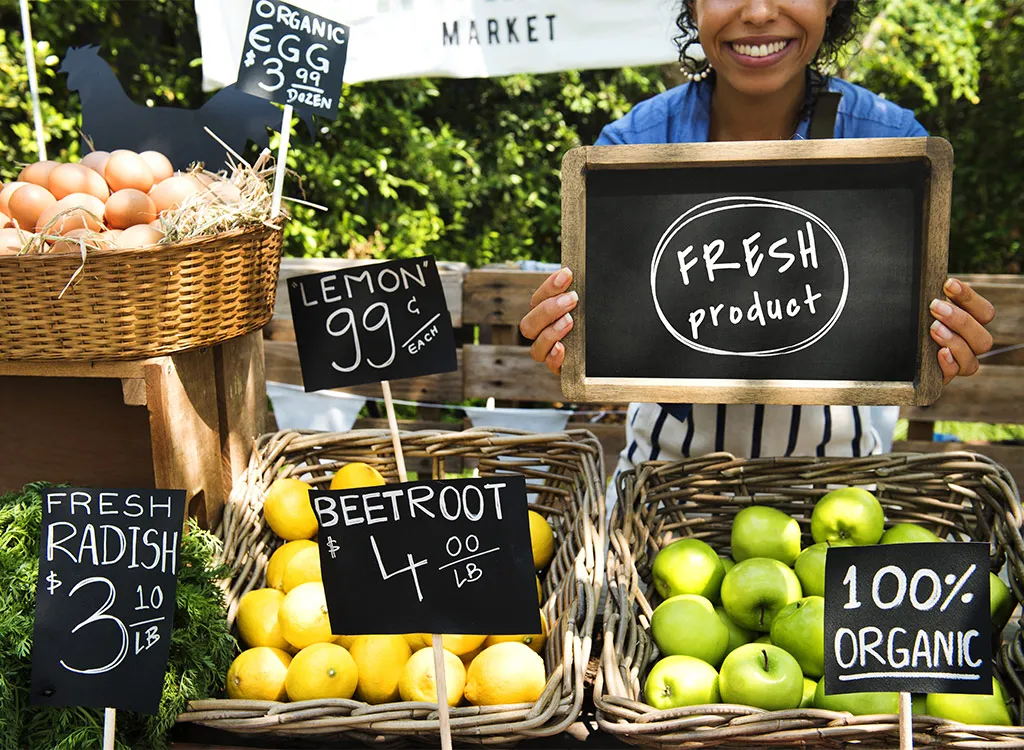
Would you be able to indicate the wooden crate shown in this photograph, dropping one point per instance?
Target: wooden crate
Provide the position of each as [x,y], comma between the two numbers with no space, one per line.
[183,421]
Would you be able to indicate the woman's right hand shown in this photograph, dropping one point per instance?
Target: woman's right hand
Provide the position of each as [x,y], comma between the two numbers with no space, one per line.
[549,320]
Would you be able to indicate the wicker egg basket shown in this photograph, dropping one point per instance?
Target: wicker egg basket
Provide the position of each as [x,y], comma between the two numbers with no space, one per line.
[138,303]
[569,491]
[964,496]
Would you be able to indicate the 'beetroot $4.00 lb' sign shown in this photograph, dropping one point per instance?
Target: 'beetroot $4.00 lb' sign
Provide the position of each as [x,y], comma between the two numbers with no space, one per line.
[431,556]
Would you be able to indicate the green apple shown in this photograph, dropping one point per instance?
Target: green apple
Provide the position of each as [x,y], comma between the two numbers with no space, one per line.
[688,566]
[763,639]
[800,629]
[808,699]
[810,566]
[1000,602]
[756,589]
[917,704]
[850,513]
[737,635]
[688,625]
[762,676]
[859,704]
[728,562]
[759,531]
[969,709]
[678,681]
[906,533]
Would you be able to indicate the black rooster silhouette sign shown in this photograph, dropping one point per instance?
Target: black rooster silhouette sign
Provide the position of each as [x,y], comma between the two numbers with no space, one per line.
[111,120]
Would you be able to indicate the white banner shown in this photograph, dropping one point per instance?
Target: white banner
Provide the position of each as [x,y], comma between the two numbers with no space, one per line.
[462,38]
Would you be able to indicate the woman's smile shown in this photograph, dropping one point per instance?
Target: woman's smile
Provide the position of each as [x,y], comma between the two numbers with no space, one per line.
[759,51]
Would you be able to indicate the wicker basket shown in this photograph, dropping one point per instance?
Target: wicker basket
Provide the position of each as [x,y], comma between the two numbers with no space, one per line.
[132,304]
[570,494]
[963,494]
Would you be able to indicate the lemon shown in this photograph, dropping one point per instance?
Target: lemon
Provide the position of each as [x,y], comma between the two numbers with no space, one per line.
[542,538]
[257,619]
[505,673]
[346,641]
[418,681]
[303,616]
[288,511]
[416,642]
[323,670]
[356,474]
[535,641]
[457,644]
[380,660]
[467,659]
[280,559]
[258,674]
[304,567]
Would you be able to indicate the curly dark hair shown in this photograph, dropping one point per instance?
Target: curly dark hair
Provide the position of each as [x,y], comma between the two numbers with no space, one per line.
[840,30]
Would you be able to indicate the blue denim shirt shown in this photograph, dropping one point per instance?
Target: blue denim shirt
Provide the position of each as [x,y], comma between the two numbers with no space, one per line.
[683,115]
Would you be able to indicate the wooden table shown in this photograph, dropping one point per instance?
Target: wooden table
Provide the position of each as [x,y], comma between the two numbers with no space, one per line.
[182,421]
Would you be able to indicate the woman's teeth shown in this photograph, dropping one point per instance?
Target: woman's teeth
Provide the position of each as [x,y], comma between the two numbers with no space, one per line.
[760,50]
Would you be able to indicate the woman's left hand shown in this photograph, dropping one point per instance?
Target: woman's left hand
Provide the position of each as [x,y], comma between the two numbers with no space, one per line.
[959,329]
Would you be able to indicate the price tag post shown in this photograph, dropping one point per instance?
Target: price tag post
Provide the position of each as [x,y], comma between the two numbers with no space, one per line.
[908,618]
[295,58]
[368,324]
[105,599]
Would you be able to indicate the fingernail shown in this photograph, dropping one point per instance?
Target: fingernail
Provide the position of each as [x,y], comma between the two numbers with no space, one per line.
[567,300]
[563,277]
[953,286]
[941,331]
[557,348]
[563,323]
[947,355]
[941,308]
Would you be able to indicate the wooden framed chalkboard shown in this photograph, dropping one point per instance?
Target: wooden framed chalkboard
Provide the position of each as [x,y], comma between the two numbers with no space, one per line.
[794,272]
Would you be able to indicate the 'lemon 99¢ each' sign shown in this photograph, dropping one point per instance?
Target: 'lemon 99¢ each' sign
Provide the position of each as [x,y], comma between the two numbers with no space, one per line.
[448,556]
[108,565]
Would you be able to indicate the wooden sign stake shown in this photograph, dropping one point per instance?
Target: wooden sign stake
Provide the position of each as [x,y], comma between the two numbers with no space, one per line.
[33,83]
[906,722]
[109,719]
[439,670]
[282,161]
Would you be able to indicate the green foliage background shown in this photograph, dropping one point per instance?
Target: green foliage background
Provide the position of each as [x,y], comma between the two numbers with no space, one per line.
[468,169]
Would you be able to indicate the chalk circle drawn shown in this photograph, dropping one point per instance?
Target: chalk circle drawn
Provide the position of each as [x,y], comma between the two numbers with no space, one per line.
[712,207]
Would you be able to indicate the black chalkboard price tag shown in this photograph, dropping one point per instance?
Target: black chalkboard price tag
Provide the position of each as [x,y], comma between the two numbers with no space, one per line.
[780,273]
[292,56]
[449,556]
[372,322]
[108,563]
[910,618]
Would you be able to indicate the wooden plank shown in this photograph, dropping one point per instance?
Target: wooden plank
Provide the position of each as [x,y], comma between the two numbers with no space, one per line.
[63,369]
[451,279]
[574,256]
[1010,456]
[507,373]
[185,431]
[241,403]
[133,391]
[1006,292]
[282,358]
[994,395]
[75,430]
[498,296]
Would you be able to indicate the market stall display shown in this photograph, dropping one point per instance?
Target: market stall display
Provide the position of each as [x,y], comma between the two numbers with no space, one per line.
[564,470]
[673,521]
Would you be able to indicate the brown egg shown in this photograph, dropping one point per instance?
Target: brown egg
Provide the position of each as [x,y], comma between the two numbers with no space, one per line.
[129,207]
[96,161]
[38,173]
[140,235]
[74,178]
[5,221]
[70,242]
[109,238]
[5,195]
[126,169]
[173,191]
[28,203]
[158,164]
[225,192]
[11,241]
[157,225]
[88,216]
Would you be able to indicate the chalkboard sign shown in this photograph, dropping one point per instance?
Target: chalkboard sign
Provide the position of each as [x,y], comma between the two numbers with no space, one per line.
[432,557]
[794,272]
[910,618]
[292,56]
[108,564]
[378,321]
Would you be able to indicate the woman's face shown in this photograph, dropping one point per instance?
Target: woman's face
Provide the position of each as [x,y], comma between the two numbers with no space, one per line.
[760,46]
